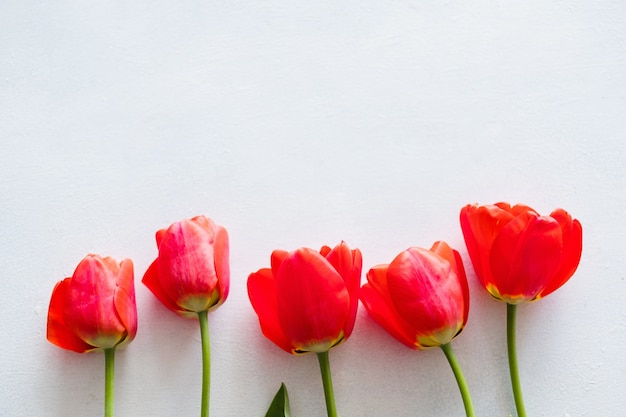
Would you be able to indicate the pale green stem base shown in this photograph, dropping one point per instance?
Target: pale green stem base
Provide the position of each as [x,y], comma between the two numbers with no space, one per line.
[327,380]
[109,376]
[511,310]
[460,379]
[206,363]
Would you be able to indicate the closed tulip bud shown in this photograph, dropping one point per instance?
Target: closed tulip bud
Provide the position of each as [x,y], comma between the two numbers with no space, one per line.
[421,298]
[94,308]
[191,273]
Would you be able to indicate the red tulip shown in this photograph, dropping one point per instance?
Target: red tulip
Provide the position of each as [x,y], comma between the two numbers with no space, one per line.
[519,255]
[421,298]
[307,301]
[95,308]
[191,273]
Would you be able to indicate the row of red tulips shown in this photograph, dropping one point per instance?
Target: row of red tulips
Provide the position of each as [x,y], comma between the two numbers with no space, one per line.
[307,300]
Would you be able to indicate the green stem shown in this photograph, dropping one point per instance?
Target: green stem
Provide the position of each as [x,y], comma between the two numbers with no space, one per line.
[206,362]
[327,380]
[511,310]
[109,376]
[460,379]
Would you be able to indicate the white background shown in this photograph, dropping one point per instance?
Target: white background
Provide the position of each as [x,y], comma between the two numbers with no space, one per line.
[298,123]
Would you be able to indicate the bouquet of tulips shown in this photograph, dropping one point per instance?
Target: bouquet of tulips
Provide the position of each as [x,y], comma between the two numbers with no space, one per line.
[307,300]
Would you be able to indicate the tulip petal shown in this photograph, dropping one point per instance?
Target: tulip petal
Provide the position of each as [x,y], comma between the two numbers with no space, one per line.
[452,256]
[186,265]
[90,311]
[348,263]
[313,301]
[572,250]
[262,294]
[222,265]
[525,256]
[426,293]
[58,332]
[382,307]
[481,225]
[276,259]
[151,280]
[125,303]
[384,315]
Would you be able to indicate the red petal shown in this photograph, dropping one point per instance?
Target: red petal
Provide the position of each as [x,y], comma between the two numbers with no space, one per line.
[151,280]
[276,259]
[125,303]
[222,265]
[90,311]
[312,299]
[262,294]
[572,250]
[187,264]
[525,256]
[57,331]
[384,315]
[481,225]
[349,264]
[426,292]
[442,249]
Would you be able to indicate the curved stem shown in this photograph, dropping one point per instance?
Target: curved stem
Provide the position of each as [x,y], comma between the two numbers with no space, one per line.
[327,380]
[511,310]
[109,376]
[206,362]
[460,379]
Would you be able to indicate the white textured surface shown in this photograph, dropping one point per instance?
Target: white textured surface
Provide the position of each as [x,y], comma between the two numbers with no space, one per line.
[301,124]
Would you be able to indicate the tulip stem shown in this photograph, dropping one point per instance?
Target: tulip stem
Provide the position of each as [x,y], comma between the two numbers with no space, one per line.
[511,310]
[109,376]
[327,380]
[460,379]
[206,362]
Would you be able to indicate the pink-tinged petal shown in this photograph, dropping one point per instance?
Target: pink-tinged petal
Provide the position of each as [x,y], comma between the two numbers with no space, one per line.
[446,252]
[90,311]
[262,294]
[525,256]
[222,264]
[427,294]
[125,303]
[348,263]
[572,232]
[384,315]
[186,265]
[312,299]
[58,332]
[460,271]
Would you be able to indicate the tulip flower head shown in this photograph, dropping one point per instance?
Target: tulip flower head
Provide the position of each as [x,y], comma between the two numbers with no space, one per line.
[421,298]
[191,273]
[307,301]
[519,255]
[95,308]
[191,276]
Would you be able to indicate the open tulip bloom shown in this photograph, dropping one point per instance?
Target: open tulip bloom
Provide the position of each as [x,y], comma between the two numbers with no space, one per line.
[191,277]
[520,256]
[95,309]
[307,302]
[422,299]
